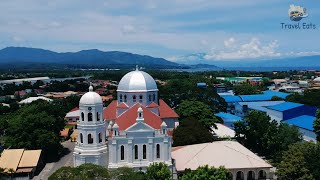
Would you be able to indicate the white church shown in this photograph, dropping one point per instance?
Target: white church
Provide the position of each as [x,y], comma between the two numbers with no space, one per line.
[133,131]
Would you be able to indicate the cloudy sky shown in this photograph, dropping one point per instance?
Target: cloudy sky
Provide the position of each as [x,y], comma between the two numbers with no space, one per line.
[220,30]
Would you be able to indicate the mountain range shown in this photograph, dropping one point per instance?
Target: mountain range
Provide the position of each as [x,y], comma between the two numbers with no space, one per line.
[34,56]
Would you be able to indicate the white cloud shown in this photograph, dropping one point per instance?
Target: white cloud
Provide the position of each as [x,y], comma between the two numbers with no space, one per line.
[127,29]
[229,42]
[17,39]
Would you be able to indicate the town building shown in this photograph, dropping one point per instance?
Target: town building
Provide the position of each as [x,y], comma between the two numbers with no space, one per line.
[32,99]
[305,125]
[240,161]
[228,119]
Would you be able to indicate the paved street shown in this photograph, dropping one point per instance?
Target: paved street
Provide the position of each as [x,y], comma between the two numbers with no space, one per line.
[50,168]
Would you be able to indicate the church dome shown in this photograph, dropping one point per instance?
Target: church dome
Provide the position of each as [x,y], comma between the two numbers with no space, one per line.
[137,81]
[91,97]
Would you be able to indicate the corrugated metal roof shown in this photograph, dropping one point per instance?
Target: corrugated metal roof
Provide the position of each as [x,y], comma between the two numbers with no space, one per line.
[260,105]
[285,106]
[304,121]
[256,97]
[230,98]
[227,117]
[276,93]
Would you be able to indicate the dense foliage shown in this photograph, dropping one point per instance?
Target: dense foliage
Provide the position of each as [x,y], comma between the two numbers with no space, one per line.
[300,161]
[245,89]
[310,97]
[157,171]
[191,131]
[316,126]
[266,137]
[207,173]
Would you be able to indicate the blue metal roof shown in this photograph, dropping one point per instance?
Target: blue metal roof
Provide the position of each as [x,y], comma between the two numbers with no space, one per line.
[305,122]
[256,97]
[230,98]
[276,93]
[201,84]
[285,106]
[227,117]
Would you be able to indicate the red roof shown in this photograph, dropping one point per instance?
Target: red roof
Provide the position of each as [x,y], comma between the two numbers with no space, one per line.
[166,111]
[122,106]
[128,118]
[74,109]
[153,105]
[110,112]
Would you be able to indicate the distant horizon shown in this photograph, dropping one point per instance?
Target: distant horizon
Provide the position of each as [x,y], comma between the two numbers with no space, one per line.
[173,30]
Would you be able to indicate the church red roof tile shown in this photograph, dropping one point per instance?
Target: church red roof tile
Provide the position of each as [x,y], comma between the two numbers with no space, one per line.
[74,109]
[110,112]
[166,111]
[129,118]
[122,106]
[153,105]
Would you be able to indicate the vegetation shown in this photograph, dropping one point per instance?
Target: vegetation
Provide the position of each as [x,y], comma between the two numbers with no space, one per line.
[205,173]
[191,131]
[316,126]
[266,137]
[245,89]
[300,161]
[158,171]
[310,97]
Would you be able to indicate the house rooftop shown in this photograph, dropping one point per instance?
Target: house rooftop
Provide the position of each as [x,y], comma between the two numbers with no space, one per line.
[284,106]
[304,121]
[227,117]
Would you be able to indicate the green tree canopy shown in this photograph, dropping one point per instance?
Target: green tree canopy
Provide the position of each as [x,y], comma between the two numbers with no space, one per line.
[245,89]
[207,173]
[158,171]
[126,173]
[191,131]
[258,133]
[198,110]
[316,126]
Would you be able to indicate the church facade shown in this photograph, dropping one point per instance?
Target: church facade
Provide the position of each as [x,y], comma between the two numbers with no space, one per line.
[139,130]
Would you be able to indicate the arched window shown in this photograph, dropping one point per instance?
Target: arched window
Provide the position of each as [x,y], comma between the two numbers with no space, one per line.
[163,131]
[115,132]
[100,138]
[82,116]
[89,116]
[240,175]
[134,97]
[125,98]
[81,138]
[262,174]
[149,97]
[158,150]
[98,116]
[154,97]
[251,175]
[136,152]
[90,139]
[144,149]
[122,153]
[140,97]
[120,97]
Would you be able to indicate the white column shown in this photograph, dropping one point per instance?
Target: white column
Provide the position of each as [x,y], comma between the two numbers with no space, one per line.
[129,151]
[150,150]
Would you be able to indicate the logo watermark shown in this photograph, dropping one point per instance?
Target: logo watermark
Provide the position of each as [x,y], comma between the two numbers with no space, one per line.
[296,14]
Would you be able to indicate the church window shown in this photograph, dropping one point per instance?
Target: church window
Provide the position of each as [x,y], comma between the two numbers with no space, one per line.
[134,97]
[122,153]
[158,150]
[115,132]
[100,138]
[163,131]
[140,97]
[82,116]
[81,138]
[90,139]
[125,98]
[154,97]
[136,152]
[98,116]
[120,97]
[89,116]
[149,97]
[144,155]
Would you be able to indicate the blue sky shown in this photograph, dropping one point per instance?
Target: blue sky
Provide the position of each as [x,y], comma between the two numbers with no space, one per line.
[172,29]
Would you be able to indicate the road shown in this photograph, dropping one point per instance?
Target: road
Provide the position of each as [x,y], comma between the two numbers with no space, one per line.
[50,168]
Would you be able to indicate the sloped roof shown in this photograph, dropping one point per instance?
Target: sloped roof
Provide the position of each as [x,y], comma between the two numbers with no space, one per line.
[110,112]
[227,117]
[276,93]
[256,97]
[223,131]
[19,158]
[153,105]
[285,106]
[31,99]
[229,154]
[230,98]
[30,158]
[122,106]
[165,111]
[304,121]
[129,118]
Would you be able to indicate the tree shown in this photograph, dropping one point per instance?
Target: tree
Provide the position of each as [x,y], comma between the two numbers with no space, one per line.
[198,110]
[84,172]
[157,171]
[276,98]
[125,173]
[265,137]
[316,126]
[245,89]
[293,165]
[205,173]
[191,131]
